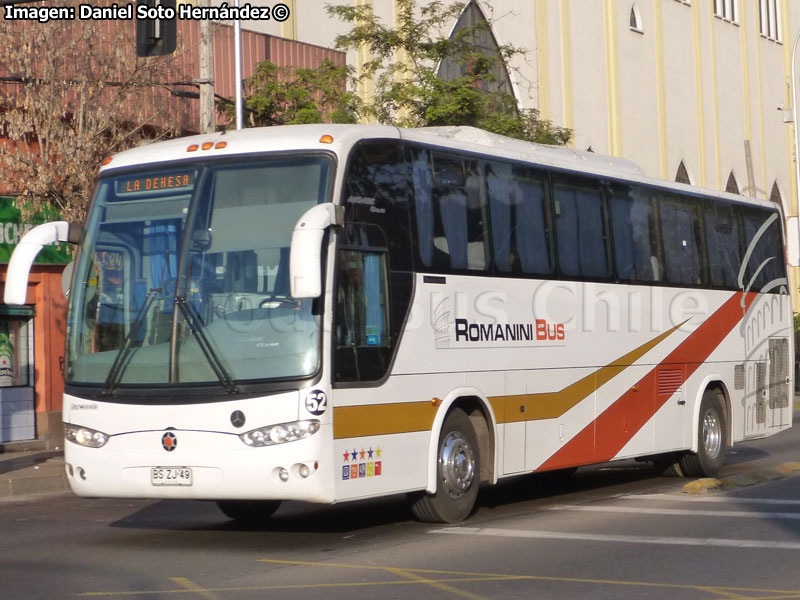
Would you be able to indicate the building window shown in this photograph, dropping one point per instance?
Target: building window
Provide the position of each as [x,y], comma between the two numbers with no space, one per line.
[636,19]
[732,187]
[682,175]
[770,19]
[454,67]
[727,10]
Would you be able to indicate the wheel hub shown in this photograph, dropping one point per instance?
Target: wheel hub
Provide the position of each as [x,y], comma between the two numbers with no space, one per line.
[712,434]
[457,463]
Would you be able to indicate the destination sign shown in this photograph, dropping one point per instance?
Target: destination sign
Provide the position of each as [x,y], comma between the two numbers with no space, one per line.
[163,181]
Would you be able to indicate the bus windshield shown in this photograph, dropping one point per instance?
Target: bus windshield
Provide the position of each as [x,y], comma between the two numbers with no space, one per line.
[184,276]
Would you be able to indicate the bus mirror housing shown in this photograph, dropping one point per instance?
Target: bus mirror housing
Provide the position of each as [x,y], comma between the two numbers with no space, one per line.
[305,255]
[793,241]
[19,267]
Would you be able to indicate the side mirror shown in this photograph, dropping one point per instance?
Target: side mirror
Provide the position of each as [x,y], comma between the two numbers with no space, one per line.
[19,267]
[305,256]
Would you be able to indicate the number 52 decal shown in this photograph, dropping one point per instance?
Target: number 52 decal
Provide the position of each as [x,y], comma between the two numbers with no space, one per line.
[316,402]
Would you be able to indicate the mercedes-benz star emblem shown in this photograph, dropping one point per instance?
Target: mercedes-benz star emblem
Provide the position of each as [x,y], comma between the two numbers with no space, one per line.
[237,418]
[169,441]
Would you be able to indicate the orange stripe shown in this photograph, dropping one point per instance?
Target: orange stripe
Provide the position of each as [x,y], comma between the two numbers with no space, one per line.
[604,437]
[550,405]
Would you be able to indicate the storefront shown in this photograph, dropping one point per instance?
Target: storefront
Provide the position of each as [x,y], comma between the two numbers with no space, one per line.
[32,342]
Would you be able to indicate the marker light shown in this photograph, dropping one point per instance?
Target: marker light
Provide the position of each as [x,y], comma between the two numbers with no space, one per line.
[83,436]
[326,139]
[193,148]
[207,145]
[280,434]
[220,145]
[106,160]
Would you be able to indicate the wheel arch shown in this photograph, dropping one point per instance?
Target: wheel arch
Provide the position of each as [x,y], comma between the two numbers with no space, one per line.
[479,410]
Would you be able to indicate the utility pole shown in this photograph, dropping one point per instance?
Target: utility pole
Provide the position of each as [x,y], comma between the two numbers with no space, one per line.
[208,121]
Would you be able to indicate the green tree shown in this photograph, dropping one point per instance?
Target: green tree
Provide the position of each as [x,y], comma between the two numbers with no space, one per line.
[405,63]
[276,95]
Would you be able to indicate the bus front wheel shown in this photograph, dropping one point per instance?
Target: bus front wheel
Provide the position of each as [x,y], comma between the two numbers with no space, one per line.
[250,511]
[712,439]
[457,477]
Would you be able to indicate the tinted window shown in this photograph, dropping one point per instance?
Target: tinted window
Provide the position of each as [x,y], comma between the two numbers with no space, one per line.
[682,238]
[636,245]
[763,257]
[723,238]
[518,209]
[377,192]
[580,229]
[450,211]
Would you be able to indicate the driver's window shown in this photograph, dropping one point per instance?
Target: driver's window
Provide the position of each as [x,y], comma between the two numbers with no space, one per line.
[362,315]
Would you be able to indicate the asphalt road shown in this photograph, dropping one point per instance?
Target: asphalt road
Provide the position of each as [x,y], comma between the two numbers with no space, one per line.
[615,531]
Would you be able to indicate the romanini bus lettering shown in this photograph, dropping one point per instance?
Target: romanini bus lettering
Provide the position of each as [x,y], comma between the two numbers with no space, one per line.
[539,330]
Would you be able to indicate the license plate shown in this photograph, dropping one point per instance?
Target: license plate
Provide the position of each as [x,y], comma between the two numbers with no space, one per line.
[170,476]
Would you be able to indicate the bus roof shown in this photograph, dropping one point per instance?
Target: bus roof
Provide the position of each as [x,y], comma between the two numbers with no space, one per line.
[470,139]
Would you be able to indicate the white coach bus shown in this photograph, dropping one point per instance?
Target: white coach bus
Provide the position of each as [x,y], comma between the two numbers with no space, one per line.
[329,313]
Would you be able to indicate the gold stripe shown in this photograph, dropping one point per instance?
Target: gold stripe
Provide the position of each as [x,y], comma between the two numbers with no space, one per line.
[289,26]
[715,93]
[382,419]
[748,110]
[566,64]
[612,75]
[543,56]
[661,86]
[550,405]
[701,101]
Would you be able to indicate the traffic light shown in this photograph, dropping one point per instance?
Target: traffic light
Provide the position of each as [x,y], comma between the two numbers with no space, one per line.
[156,27]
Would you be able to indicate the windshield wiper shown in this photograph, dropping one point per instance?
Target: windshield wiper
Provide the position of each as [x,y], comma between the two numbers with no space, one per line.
[121,361]
[195,324]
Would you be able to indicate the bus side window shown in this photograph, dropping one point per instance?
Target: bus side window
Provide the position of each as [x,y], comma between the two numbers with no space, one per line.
[636,246]
[450,207]
[764,270]
[519,222]
[724,245]
[580,228]
[683,242]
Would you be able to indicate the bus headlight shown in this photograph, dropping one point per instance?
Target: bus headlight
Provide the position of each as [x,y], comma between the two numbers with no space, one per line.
[83,436]
[280,434]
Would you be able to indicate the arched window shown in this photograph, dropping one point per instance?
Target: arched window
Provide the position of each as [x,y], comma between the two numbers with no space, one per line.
[636,19]
[775,195]
[732,187]
[483,39]
[682,175]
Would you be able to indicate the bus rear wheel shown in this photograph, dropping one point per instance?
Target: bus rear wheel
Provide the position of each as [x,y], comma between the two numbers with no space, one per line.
[248,511]
[457,477]
[712,439]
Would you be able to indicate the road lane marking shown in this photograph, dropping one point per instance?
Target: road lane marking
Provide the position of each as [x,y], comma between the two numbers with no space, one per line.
[193,587]
[427,576]
[718,499]
[620,539]
[409,574]
[682,512]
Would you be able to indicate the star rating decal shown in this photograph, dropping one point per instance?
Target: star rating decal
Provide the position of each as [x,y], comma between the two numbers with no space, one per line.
[356,469]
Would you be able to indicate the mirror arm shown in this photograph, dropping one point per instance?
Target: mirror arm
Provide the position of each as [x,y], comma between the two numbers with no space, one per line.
[26,251]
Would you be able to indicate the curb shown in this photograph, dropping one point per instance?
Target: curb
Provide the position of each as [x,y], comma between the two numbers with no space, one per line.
[45,478]
[708,485]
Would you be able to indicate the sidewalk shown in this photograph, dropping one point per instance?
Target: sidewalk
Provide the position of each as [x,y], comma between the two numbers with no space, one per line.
[28,469]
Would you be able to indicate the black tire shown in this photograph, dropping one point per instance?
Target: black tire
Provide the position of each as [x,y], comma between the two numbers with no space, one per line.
[457,477]
[248,511]
[712,433]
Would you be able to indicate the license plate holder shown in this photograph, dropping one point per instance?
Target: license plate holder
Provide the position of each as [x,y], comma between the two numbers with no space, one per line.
[171,476]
